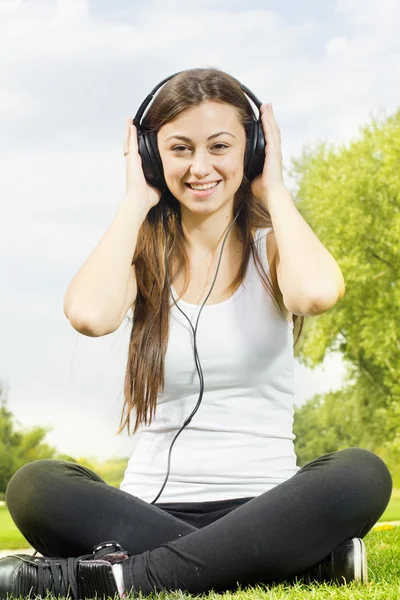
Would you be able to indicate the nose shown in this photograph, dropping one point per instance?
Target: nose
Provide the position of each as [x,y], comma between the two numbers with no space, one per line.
[201,165]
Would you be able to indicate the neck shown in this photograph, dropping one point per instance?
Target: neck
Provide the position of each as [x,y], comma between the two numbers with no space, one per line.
[204,235]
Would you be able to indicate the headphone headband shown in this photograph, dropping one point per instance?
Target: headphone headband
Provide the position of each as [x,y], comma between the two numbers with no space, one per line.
[138,117]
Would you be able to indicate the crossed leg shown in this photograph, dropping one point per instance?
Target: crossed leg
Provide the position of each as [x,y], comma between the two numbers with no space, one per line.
[276,535]
[64,509]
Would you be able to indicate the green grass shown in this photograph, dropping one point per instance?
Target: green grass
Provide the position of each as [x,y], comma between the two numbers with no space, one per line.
[392,513]
[10,537]
[383,551]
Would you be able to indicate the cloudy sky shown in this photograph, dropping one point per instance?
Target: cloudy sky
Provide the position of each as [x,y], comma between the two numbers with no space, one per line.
[71,72]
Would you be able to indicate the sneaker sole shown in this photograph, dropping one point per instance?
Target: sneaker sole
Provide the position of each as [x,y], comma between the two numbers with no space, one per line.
[360,561]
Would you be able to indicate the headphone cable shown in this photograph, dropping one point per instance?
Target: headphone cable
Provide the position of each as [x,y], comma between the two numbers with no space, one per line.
[196,356]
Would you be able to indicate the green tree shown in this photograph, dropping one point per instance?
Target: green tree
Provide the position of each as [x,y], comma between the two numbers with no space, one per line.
[350,197]
[113,470]
[18,447]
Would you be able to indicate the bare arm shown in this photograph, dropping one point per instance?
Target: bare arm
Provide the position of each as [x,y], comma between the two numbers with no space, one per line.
[104,289]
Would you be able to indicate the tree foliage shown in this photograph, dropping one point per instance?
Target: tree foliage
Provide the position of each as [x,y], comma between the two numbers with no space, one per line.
[18,447]
[350,197]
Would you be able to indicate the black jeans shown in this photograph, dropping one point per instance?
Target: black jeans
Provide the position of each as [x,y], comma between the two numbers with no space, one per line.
[64,509]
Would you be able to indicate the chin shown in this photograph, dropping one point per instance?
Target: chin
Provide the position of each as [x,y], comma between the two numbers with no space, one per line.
[206,210]
[200,209]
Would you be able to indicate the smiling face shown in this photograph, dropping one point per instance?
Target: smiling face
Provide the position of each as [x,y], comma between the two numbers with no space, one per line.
[202,156]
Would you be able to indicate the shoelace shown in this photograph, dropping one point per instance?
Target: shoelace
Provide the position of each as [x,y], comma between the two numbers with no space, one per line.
[58,576]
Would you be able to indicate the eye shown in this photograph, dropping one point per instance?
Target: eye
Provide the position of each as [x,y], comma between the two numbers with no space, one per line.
[182,148]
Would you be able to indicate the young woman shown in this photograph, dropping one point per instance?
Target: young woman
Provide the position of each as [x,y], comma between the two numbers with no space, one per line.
[235,508]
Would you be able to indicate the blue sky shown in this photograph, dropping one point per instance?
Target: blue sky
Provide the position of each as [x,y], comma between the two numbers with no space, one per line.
[71,72]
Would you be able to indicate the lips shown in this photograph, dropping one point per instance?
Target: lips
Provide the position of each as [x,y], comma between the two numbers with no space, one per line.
[203,183]
[210,191]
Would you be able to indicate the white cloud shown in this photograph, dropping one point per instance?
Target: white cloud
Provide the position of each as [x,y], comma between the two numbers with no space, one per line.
[370,14]
[336,45]
[8,7]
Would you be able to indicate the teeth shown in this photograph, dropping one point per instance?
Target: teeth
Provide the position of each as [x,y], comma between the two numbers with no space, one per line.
[203,187]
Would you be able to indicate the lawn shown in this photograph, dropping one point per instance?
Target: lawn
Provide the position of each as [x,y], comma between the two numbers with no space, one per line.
[392,513]
[383,551]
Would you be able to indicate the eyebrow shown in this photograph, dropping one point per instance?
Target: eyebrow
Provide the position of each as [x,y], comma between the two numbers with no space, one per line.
[186,139]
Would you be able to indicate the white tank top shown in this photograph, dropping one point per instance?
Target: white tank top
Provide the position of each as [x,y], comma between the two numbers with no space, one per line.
[239,443]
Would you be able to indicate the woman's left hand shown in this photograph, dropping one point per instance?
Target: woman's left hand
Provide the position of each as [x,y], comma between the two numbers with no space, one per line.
[272,176]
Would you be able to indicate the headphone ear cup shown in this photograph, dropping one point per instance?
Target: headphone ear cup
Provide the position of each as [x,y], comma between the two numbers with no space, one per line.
[255,151]
[151,159]
[156,161]
[249,149]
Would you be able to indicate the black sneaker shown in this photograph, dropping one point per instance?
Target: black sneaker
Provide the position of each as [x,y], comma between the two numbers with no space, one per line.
[82,577]
[347,562]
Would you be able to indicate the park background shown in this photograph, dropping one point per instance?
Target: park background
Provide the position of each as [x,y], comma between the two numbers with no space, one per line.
[72,71]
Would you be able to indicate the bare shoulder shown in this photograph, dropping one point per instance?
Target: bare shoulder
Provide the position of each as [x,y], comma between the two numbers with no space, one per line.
[271,248]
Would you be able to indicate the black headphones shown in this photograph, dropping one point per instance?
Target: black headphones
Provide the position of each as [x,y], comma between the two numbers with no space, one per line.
[148,148]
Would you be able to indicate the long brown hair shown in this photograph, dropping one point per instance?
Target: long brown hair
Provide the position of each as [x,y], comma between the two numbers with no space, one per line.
[150,326]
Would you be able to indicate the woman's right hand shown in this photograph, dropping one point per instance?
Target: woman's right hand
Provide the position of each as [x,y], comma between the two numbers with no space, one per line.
[136,184]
